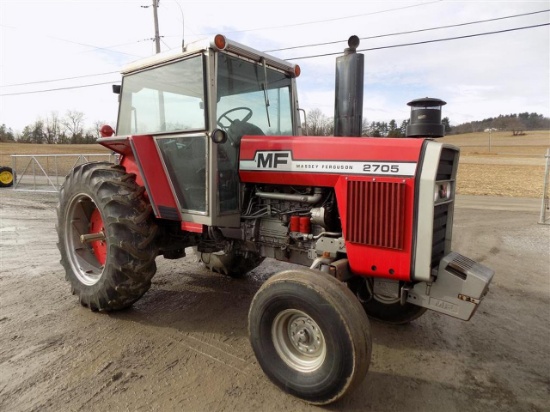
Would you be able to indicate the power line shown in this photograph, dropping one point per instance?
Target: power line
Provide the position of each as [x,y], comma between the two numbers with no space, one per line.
[57,89]
[294,47]
[412,31]
[423,42]
[163,42]
[322,55]
[113,46]
[59,80]
[324,21]
[79,43]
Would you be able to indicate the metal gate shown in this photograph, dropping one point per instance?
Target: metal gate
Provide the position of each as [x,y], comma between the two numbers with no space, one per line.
[46,173]
[545,206]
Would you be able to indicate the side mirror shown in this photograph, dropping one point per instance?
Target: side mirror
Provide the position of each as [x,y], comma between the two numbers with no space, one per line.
[219,136]
[117,88]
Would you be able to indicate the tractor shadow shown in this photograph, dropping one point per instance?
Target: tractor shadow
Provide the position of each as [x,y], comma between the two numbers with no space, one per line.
[188,298]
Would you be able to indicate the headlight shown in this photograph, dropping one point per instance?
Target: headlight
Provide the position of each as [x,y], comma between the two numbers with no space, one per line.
[442,192]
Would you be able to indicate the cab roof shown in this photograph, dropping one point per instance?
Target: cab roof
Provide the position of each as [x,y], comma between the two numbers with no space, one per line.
[219,43]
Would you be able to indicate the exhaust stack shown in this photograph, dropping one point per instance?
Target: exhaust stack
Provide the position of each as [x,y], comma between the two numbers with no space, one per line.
[348,105]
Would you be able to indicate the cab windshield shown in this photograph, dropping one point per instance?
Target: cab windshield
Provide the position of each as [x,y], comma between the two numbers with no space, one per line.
[252,99]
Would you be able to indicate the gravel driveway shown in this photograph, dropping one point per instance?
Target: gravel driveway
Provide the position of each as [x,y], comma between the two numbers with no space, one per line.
[184,345]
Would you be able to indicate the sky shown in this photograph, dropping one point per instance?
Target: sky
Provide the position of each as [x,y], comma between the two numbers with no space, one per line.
[87,42]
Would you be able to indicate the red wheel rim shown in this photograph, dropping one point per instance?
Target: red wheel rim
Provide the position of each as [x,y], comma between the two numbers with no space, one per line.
[99,246]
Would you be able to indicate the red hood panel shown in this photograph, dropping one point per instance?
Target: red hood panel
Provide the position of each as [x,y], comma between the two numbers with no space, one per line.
[319,160]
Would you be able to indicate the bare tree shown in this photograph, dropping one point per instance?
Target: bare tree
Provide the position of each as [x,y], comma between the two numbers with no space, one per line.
[516,126]
[364,127]
[74,123]
[96,128]
[318,124]
[52,128]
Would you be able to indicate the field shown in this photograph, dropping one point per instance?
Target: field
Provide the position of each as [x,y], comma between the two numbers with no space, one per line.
[501,164]
[496,164]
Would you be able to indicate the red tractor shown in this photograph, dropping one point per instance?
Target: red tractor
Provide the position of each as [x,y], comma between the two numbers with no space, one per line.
[212,156]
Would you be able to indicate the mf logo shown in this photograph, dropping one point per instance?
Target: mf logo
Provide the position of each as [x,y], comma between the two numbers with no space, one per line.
[273,160]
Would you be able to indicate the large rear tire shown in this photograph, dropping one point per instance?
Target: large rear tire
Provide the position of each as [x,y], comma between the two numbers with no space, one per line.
[106,236]
[310,335]
[383,309]
[234,265]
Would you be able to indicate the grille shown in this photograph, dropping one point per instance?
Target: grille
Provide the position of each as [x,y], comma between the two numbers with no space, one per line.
[376,213]
[441,214]
[446,162]
[441,211]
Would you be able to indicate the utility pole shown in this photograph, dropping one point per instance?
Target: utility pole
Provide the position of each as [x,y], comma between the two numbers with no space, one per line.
[155,16]
[156,21]
[157,48]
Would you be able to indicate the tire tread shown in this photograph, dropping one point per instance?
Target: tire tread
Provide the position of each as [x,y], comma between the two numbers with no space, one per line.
[131,235]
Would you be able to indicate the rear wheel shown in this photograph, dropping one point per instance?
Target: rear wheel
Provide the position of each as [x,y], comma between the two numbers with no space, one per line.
[232,264]
[106,236]
[7,176]
[381,308]
[310,335]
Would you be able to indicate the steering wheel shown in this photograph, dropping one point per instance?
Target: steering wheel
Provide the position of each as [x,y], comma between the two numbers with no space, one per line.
[224,115]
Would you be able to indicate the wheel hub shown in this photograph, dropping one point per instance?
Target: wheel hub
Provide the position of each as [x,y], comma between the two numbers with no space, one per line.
[305,335]
[97,229]
[298,340]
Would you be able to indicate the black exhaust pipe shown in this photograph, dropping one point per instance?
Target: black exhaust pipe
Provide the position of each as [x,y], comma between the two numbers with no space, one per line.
[348,104]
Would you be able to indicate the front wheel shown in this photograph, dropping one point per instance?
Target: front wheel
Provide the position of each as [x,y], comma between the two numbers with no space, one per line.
[106,236]
[310,335]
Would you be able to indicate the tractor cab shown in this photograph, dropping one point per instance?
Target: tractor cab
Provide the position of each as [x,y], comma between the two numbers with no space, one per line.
[193,108]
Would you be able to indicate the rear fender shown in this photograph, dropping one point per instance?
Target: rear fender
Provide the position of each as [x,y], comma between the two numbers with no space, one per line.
[141,157]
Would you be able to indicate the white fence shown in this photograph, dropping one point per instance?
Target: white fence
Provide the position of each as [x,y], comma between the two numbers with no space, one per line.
[545,206]
[46,173]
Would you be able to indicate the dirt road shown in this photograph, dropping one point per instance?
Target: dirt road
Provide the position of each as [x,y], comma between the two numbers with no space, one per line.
[184,346]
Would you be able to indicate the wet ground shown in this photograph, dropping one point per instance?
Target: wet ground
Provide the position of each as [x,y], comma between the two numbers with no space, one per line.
[184,345]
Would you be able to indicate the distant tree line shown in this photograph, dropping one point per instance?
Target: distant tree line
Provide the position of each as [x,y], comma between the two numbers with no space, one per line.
[515,123]
[70,128]
[318,124]
[55,130]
